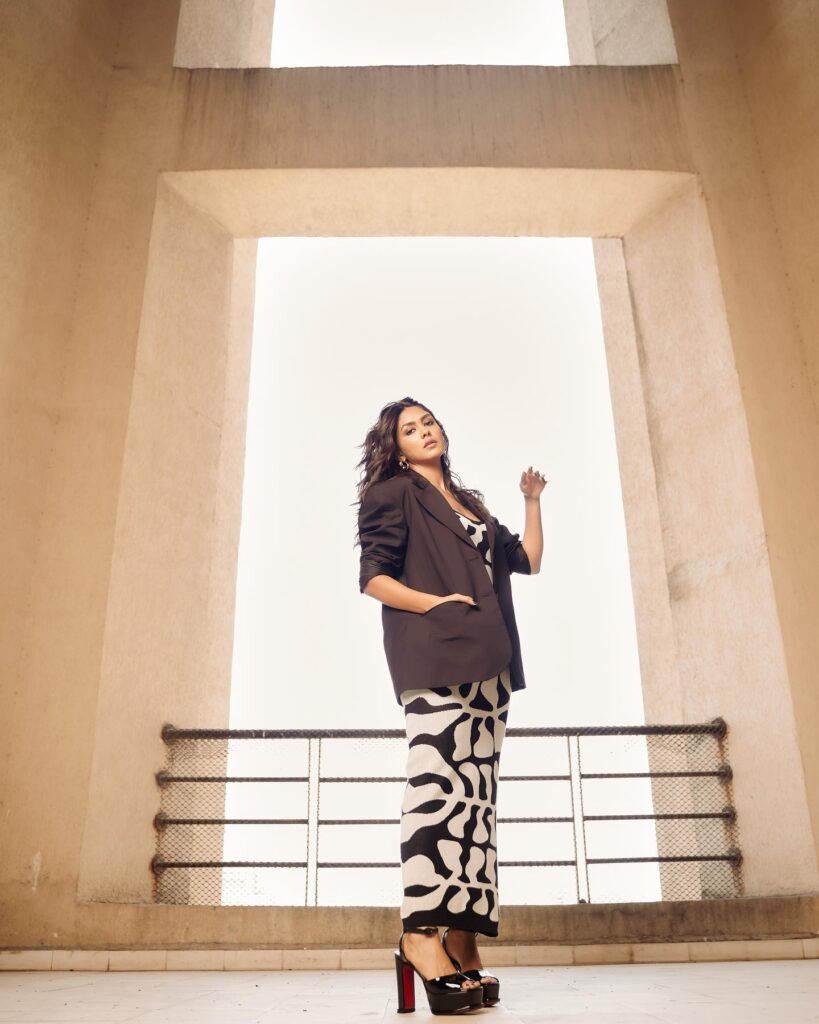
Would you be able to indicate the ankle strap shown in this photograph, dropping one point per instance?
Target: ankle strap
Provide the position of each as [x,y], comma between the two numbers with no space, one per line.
[430,929]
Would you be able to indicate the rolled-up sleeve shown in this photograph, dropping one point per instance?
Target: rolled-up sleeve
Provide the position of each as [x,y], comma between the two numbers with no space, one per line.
[382,529]
[516,557]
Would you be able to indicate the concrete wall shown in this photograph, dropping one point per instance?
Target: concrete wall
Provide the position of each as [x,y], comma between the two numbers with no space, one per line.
[126,351]
[56,66]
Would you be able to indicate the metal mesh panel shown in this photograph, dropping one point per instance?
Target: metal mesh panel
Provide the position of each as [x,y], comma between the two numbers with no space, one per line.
[658,817]
[311,817]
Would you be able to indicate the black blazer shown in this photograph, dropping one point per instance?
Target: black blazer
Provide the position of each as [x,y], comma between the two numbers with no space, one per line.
[409,531]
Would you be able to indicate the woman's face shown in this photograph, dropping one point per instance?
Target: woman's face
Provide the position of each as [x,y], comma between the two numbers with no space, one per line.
[420,438]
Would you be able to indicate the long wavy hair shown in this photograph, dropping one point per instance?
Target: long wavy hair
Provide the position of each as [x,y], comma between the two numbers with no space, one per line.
[381,453]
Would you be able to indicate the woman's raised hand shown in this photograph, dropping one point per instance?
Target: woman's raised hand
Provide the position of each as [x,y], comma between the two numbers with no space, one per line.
[532,483]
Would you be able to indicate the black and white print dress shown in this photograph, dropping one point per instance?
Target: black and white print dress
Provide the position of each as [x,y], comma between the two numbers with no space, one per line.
[477,532]
[448,833]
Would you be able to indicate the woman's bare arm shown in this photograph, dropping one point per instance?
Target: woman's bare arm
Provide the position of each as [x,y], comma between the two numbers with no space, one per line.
[533,534]
[389,591]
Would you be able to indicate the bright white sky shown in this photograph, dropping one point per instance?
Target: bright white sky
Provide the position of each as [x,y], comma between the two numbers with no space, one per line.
[502,339]
[326,33]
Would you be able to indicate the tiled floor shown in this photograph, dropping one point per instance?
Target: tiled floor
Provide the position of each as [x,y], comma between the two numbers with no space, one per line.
[763,992]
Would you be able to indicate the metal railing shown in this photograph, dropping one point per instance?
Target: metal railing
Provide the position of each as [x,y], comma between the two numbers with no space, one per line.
[620,810]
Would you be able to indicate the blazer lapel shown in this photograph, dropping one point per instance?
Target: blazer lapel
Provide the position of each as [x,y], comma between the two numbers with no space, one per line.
[437,505]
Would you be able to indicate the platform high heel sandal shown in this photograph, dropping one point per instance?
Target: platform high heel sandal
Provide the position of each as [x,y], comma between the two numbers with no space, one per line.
[444,993]
[491,989]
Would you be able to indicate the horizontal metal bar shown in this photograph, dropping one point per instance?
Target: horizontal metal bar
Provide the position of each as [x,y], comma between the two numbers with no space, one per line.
[728,815]
[735,857]
[363,778]
[537,863]
[163,778]
[535,778]
[165,822]
[501,864]
[403,778]
[724,772]
[163,865]
[396,821]
[171,733]
[161,821]
[160,865]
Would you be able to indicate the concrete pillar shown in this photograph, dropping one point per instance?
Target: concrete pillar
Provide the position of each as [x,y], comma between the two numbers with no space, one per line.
[710,638]
[619,32]
[169,624]
[224,34]
[748,100]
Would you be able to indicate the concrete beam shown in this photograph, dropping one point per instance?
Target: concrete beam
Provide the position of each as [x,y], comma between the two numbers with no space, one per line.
[393,201]
[429,116]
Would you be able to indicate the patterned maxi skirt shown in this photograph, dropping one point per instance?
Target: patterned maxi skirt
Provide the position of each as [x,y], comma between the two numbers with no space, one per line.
[448,832]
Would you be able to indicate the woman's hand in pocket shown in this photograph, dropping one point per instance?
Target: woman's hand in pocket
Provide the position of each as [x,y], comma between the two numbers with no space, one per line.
[465,598]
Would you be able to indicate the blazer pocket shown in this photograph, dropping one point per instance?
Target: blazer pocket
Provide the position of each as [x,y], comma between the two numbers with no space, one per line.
[441,604]
[434,608]
[454,620]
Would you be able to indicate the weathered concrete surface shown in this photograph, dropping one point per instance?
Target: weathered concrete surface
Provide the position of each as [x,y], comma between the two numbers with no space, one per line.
[101,173]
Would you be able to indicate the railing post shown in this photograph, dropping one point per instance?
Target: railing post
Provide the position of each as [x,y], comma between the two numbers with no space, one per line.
[578,824]
[313,783]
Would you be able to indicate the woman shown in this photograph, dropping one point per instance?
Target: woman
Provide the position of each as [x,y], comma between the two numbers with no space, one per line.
[439,563]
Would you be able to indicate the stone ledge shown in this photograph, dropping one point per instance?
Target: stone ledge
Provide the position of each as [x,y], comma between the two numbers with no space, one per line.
[101,926]
[381,959]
